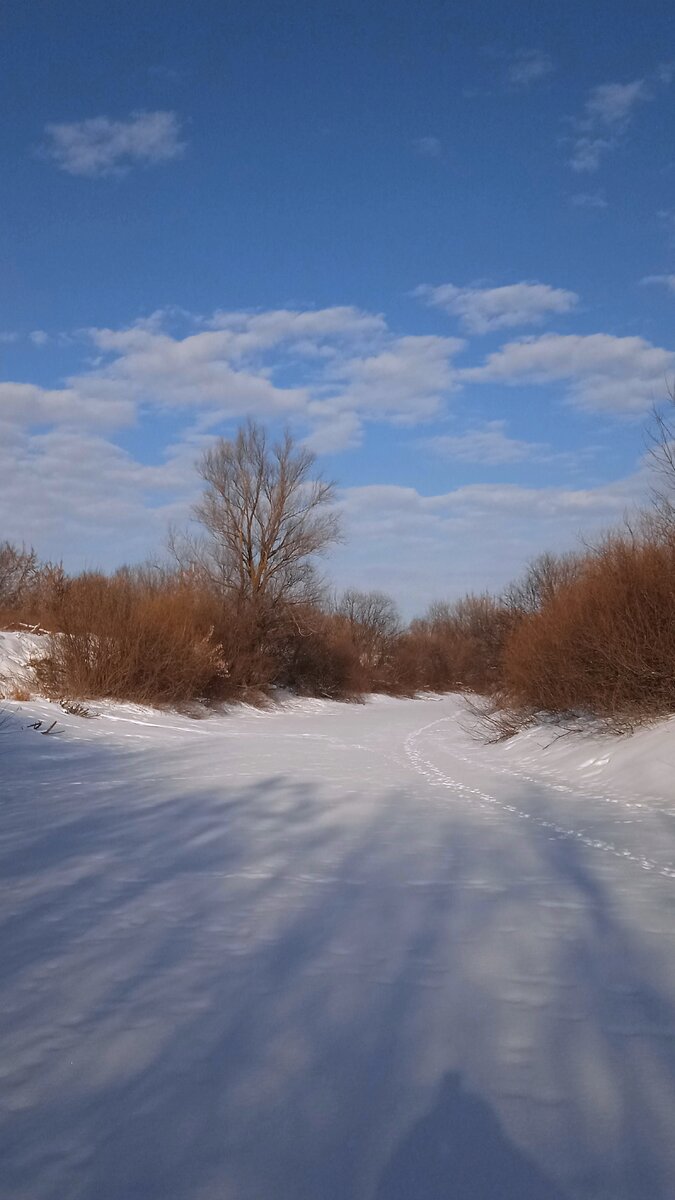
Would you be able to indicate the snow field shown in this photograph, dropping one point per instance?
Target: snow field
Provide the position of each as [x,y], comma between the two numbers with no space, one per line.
[334,952]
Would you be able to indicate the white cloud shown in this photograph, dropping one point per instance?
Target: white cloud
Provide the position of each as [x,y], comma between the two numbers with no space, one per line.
[38,337]
[334,431]
[488,445]
[591,200]
[102,146]
[27,404]
[253,332]
[611,104]
[428,147]
[70,488]
[317,366]
[8,336]
[607,115]
[667,281]
[470,538]
[405,381]
[483,309]
[605,373]
[77,495]
[327,369]
[588,153]
[528,67]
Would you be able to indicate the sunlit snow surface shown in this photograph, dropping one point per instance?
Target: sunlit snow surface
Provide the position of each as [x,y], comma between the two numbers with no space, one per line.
[334,952]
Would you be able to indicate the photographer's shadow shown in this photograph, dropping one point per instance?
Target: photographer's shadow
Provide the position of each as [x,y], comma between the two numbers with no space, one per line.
[459,1151]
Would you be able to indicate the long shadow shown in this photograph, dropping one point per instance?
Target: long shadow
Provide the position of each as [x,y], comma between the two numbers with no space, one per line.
[459,1151]
[197,1007]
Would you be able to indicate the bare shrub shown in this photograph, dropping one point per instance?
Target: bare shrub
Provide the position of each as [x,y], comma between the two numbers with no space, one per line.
[461,643]
[318,657]
[128,641]
[605,642]
[373,625]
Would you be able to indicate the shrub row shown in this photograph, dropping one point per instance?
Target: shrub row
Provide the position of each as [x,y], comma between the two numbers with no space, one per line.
[584,634]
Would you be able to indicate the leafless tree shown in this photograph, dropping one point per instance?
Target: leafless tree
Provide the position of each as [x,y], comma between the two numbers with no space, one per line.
[542,579]
[266,516]
[373,620]
[19,570]
[661,447]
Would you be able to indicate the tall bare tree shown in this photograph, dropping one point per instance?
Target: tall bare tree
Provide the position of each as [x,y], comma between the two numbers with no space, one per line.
[543,577]
[266,514]
[19,570]
[661,445]
[373,622]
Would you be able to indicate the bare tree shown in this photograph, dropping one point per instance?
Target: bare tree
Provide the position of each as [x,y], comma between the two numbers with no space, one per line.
[373,619]
[375,612]
[266,514]
[661,446]
[542,579]
[19,571]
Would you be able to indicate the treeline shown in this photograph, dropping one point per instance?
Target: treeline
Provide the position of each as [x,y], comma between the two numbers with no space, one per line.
[240,611]
[591,633]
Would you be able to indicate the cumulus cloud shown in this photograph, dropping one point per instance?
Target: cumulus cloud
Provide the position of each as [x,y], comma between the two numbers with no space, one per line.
[667,281]
[332,368]
[527,67]
[605,373]
[607,114]
[591,200]
[328,369]
[66,483]
[611,104]
[406,379]
[28,404]
[78,496]
[488,445]
[482,309]
[428,147]
[470,538]
[305,331]
[102,146]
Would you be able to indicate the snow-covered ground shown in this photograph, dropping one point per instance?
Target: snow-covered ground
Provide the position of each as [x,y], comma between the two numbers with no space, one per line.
[16,651]
[334,952]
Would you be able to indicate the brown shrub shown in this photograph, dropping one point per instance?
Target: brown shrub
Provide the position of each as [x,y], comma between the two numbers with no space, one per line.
[460,644]
[128,640]
[605,642]
[316,656]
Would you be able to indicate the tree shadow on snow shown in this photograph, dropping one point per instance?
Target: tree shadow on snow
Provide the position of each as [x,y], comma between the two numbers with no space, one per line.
[220,991]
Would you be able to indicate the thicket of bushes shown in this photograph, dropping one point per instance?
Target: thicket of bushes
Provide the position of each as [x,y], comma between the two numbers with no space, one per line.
[591,633]
[241,610]
[585,634]
[603,641]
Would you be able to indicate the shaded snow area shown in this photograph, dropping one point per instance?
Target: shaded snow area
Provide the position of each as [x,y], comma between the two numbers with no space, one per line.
[334,952]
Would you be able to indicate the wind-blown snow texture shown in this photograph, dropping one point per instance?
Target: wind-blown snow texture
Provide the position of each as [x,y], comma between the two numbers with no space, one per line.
[334,952]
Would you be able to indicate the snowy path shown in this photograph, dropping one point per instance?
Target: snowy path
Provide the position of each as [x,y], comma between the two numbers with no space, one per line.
[330,953]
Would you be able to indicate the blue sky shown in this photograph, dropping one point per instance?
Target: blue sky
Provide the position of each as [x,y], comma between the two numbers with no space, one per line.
[437,240]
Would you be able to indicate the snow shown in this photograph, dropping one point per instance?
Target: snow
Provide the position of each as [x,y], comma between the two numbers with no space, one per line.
[16,651]
[333,952]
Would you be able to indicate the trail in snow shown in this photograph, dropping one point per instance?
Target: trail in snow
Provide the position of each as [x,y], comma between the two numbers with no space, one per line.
[438,778]
[333,952]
